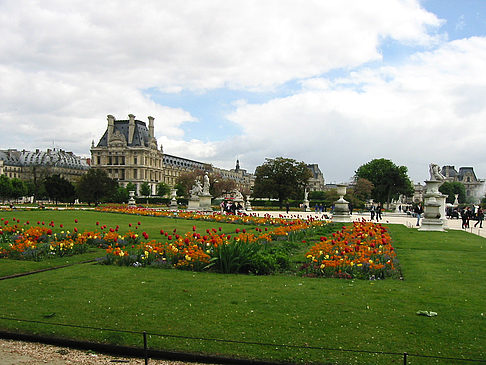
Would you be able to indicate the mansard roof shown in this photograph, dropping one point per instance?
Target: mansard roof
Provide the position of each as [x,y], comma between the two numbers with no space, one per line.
[55,157]
[141,136]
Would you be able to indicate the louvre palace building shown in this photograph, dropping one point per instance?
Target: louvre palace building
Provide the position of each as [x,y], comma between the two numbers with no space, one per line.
[33,165]
[128,152]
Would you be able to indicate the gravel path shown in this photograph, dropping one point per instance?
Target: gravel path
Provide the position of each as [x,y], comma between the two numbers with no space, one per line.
[31,353]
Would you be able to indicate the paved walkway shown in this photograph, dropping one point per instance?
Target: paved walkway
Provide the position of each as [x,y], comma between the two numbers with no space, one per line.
[392,218]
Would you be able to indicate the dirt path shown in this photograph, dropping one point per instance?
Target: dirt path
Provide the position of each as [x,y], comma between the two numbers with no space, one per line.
[31,353]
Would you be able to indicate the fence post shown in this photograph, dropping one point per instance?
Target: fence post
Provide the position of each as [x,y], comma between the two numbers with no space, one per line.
[145,347]
[404,358]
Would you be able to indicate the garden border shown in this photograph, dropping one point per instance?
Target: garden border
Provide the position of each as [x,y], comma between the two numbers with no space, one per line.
[183,356]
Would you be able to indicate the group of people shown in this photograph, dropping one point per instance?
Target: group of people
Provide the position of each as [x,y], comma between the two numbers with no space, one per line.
[230,207]
[467,214]
[376,211]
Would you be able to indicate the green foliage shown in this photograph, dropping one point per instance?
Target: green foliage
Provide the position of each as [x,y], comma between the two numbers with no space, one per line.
[131,187]
[19,188]
[120,195]
[5,187]
[388,179]
[145,189]
[163,189]
[233,258]
[59,189]
[450,188]
[95,186]
[281,178]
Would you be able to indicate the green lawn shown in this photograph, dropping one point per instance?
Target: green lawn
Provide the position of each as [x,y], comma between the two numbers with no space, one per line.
[443,272]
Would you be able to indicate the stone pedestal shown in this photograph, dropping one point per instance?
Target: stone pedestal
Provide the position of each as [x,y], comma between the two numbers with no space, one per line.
[173,200]
[205,202]
[432,220]
[248,204]
[441,199]
[305,204]
[341,207]
[131,200]
[193,204]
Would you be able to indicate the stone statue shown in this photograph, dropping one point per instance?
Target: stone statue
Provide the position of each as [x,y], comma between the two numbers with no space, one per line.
[306,194]
[205,188]
[435,174]
[196,190]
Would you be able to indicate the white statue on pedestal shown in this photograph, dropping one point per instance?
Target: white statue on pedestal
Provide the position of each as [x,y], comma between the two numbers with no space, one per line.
[196,190]
[435,174]
[205,189]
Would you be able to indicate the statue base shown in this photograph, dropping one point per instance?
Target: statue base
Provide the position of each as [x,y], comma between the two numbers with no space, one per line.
[173,204]
[205,202]
[341,212]
[193,204]
[432,225]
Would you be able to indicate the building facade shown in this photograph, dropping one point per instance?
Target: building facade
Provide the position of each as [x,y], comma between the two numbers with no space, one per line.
[475,188]
[128,152]
[316,182]
[34,165]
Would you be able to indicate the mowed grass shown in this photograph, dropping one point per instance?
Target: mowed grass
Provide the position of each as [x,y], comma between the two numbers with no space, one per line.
[443,272]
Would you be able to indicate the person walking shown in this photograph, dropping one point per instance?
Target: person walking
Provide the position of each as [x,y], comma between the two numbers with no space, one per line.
[418,212]
[379,209]
[372,212]
[480,218]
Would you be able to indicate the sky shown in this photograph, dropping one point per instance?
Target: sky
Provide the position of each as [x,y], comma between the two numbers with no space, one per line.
[337,83]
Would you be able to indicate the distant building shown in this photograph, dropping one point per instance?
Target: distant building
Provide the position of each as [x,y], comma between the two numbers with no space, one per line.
[30,165]
[475,188]
[128,152]
[316,182]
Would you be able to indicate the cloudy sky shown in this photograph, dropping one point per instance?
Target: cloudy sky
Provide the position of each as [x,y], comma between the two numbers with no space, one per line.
[337,83]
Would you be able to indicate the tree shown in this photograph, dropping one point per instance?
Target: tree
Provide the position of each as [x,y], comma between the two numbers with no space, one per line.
[186,180]
[95,186]
[388,179]
[450,188]
[19,188]
[120,195]
[163,189]
[219,185]
[59,189]
[5,187]
[145,189]
[281,178]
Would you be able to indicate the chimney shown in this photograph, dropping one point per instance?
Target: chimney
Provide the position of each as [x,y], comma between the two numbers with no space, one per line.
[131,128]
[151,127]
[111,127]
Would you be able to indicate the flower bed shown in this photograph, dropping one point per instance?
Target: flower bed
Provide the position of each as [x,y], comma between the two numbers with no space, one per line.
[240,251]
[362,251]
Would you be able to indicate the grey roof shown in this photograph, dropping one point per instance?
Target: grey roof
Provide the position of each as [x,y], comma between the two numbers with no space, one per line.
[55,157]
[140,136]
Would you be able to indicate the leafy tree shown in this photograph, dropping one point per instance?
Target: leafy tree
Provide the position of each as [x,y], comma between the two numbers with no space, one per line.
[186,180]
[388,179]
[59,189]
[131,187]
[19,188]
[5,187]
[363,189]
[94,186]
[219,185]
[450,188]
[120,195]
[145,189]
[317,195]
[281,178]
[163,189]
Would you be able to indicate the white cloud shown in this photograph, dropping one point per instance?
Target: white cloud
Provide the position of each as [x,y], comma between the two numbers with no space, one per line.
[65,65]
[427,110]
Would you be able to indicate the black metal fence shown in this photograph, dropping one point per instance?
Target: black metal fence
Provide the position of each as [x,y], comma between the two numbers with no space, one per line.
[147,353]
